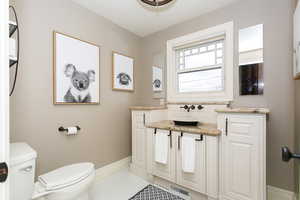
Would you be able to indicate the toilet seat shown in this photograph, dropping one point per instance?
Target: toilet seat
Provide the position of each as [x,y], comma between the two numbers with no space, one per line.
[61,178]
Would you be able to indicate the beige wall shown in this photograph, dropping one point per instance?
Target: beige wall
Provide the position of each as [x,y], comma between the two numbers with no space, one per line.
[106,128]
[276,15]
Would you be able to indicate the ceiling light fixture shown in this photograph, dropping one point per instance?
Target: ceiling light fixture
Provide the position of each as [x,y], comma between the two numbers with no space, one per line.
[156,3]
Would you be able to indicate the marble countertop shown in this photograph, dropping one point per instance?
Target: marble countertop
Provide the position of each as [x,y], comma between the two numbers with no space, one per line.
[202,128]
[148,107]
[244,110]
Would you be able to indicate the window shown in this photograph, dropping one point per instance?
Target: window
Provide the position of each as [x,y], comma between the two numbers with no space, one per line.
[200,66]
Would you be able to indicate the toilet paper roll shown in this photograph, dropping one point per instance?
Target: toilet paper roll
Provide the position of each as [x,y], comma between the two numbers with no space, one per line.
[72,131]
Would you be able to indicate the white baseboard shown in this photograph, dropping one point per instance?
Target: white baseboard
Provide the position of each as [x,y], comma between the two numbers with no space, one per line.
[275,193]
[112,168]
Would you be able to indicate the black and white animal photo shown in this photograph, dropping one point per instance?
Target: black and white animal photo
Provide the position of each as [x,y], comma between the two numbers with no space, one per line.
[79,85]
[123,78]
[157,79]
[76,67]
[157,83]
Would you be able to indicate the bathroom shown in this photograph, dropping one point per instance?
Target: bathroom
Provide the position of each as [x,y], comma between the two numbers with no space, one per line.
[103,131]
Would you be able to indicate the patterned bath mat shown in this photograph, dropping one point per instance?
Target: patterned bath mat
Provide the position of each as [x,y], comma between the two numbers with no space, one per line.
[154,193]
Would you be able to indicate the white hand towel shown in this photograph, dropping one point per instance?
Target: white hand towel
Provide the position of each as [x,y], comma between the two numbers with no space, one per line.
[188,154]
[161,147]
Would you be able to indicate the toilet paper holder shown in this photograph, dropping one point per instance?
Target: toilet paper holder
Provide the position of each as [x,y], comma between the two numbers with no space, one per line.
[62,129]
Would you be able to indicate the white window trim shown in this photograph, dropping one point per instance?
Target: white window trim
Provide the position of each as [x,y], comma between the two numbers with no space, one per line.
[173,96]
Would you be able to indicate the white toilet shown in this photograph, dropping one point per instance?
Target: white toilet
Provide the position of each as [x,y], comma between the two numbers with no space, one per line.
[71,182]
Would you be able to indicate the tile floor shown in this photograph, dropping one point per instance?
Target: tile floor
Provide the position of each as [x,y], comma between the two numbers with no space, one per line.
[119,186]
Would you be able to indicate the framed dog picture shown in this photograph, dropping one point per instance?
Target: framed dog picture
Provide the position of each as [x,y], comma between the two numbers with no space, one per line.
[123,72]
[76,70]
[157,76]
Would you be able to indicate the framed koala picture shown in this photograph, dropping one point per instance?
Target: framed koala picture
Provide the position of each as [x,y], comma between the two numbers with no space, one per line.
[76,71]
[123,72]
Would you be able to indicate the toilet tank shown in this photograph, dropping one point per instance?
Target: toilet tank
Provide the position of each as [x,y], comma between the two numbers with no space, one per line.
[21,171]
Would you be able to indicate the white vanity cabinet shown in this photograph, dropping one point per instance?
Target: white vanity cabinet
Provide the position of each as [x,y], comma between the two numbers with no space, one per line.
[204,179]
[196,180]
[140,117]
[242,156]
[139,140]
[230,159]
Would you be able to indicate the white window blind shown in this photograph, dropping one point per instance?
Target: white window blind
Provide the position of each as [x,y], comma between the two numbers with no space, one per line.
[200,67]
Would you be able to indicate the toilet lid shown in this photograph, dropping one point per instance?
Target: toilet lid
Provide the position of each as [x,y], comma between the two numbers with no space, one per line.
[66,176]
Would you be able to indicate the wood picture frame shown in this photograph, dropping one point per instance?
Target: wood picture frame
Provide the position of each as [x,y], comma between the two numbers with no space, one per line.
[296,44]
[123,76]
[86,91]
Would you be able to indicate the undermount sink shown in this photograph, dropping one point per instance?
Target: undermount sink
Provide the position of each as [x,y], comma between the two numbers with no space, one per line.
[186,123]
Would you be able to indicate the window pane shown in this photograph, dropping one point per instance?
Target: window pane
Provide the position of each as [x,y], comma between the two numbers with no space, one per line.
[220,45]
[196,67]
[195,51]
[181,60]
[219,53]
[201,81]
[202,49]
[187,52]
[200,60]
[219,60]
[211,47]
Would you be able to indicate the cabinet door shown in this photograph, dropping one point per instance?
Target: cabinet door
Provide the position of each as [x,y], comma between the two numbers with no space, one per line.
[139,139]
[196,180]
[165,171]
[241,158]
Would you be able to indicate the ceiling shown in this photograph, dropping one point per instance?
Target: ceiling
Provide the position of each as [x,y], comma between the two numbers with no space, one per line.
[144,20]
